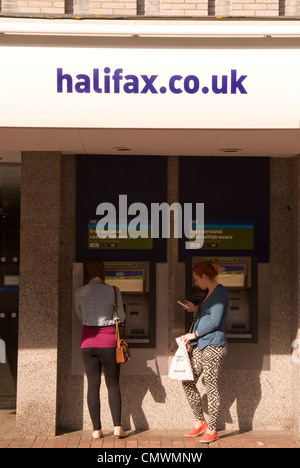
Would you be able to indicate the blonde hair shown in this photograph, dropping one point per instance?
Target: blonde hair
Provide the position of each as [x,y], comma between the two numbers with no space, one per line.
[209,268]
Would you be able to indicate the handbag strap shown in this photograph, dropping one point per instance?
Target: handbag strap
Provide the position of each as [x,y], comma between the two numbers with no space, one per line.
[116,307]
[194,320]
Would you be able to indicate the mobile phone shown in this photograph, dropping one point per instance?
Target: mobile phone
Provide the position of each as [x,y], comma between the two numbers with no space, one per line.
[183,305]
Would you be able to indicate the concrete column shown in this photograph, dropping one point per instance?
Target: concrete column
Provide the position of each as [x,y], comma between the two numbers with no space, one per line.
[148,7]
[172,247]
[69,387]
[292,8]
[41,254]
[285,277]
[222,8]
[81,7]
[9,6]
[295,345]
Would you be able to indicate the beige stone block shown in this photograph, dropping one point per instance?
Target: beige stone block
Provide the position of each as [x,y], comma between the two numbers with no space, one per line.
[29,10]
[40,4]
[124,12]
[51,10]
[255,7]
[113,5]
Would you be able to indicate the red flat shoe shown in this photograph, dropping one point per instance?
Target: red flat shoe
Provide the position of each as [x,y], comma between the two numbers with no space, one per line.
[207,438]
[197,431]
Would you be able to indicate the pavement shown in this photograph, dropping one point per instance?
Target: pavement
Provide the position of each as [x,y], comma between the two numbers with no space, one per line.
[150,439]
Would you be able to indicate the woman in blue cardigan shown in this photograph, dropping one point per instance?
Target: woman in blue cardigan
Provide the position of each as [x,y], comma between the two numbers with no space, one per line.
[208,348]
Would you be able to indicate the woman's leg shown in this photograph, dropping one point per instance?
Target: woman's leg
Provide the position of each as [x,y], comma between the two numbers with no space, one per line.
[189,386]
[112,376]
[212,359]
[92,366]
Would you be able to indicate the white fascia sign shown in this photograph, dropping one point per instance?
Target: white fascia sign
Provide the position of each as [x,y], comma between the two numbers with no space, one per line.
[61,87]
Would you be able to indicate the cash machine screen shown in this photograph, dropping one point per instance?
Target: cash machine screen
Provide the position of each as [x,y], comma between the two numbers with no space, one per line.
[232,276]
[126,280]
[135,301]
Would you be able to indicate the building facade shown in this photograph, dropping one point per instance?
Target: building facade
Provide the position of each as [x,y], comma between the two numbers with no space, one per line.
[222,128]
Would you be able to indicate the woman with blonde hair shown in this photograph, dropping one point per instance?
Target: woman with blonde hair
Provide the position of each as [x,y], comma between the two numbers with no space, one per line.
[208,348]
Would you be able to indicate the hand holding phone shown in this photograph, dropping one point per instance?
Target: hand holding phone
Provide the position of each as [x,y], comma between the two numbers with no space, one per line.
[183,305]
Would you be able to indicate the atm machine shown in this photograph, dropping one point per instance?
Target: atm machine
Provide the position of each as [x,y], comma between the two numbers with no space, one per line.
[136,282]
[239,276]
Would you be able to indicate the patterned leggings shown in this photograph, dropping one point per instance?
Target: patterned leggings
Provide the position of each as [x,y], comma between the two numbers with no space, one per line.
[209,361]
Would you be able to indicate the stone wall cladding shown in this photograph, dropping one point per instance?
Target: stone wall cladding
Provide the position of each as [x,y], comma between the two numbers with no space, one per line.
[155,8]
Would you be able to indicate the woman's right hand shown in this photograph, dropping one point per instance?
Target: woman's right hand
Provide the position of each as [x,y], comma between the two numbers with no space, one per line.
[190,306]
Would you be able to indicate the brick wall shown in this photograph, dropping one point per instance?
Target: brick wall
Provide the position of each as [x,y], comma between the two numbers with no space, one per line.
[183,7]
[255,8]
[107,7]
[40,6]
[159,8]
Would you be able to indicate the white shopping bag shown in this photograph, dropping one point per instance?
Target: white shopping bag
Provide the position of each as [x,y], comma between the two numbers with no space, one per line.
[180,368]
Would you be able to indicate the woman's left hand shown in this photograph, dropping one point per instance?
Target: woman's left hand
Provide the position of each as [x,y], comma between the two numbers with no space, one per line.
[188,337]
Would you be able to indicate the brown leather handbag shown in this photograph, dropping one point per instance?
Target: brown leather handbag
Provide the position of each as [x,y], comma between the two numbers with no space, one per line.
[122,350]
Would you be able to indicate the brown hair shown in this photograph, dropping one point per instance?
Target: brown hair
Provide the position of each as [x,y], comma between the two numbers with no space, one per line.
[209,268]
[93,268]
